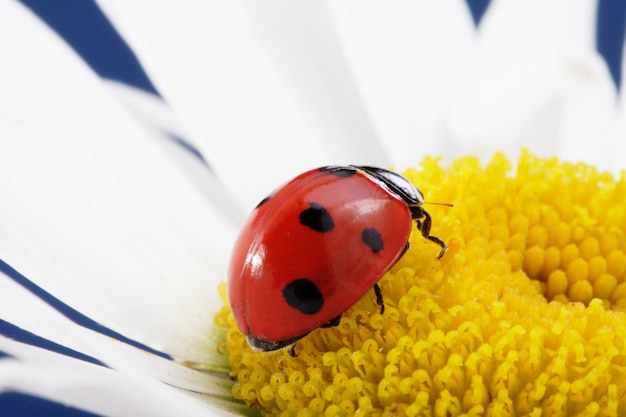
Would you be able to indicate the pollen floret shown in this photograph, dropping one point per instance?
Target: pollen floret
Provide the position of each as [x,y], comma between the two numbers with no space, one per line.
[524,315]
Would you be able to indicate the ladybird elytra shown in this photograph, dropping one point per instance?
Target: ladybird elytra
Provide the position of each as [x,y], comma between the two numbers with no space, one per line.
[315,246]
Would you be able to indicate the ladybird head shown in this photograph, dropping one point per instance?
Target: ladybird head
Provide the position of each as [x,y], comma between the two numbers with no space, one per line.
[396,183]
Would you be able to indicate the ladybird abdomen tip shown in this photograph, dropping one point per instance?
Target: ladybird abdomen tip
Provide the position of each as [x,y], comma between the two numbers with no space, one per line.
[268,346]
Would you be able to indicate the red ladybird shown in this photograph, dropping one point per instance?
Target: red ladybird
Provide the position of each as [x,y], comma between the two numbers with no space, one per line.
[315,246]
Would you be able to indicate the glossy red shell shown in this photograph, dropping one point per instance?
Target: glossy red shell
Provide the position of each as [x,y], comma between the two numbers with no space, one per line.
[274,248]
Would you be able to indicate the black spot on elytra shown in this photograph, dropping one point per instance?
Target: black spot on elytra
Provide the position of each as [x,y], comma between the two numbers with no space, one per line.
[317,218]
[303,295]
[265,200]
[339,171]
[372,238]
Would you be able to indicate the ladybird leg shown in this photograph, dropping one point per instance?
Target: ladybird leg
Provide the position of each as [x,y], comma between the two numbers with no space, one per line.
[379,298]
[406,248]
[292,351]
[441,243]
[417,213]
[424,227]
[332,323]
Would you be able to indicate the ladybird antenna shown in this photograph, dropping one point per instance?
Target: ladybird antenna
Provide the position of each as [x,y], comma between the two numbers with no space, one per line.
[439,204]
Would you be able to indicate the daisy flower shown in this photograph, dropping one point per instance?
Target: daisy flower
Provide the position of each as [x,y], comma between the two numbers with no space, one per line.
[114,238]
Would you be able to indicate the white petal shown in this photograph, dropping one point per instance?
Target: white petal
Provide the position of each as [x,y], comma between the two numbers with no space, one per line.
[22,309]
[538,83]
[620,147]
[261,88]
[481,79]
[157,117]
[406,56]
[92,209]
[516,28]
[546,103]
[148,108]
[592,128]
[94,388]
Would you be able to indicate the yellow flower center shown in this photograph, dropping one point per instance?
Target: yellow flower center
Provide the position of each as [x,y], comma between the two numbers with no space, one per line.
[524,315]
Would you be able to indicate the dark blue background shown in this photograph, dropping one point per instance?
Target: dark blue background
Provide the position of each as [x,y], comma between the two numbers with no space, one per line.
[86,29]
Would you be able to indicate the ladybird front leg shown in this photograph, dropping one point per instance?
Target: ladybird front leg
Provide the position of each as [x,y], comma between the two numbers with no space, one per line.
[441,243]
[424,223]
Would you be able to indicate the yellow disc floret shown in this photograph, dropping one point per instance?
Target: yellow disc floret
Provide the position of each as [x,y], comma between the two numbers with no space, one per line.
[524,315]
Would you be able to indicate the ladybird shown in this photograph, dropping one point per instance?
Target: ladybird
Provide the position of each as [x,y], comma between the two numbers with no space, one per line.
[315,246]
